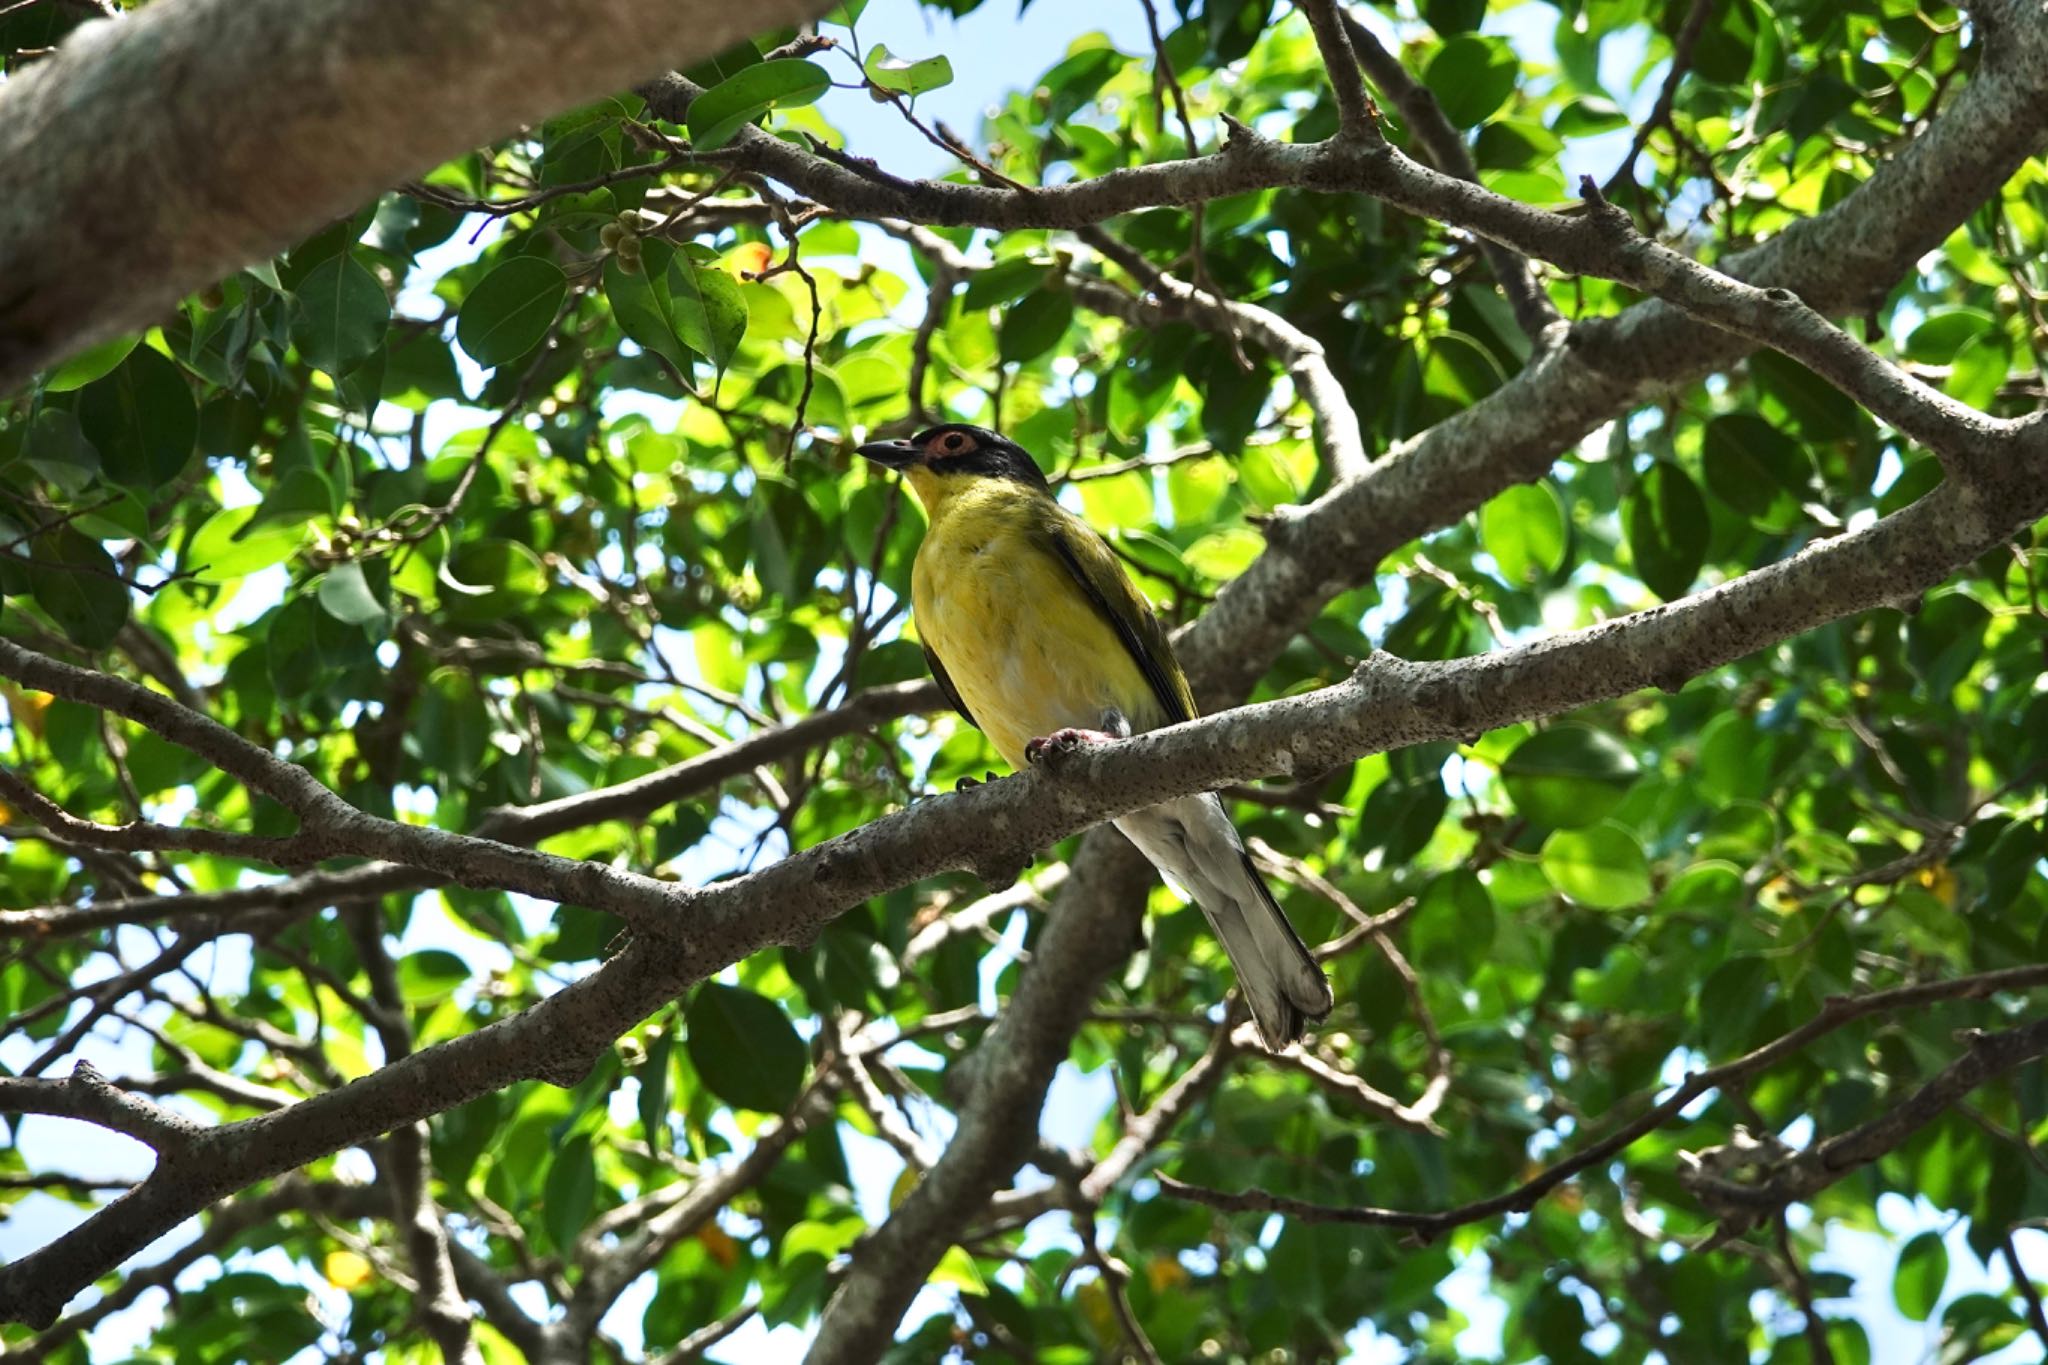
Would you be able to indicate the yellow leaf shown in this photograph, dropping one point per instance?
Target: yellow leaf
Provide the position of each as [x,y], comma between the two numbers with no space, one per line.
[27,708]
[957,1268]
[1093,1296]
[346,1270]
[722,1248]
[1165,1273]
[749,258]
[1941,882]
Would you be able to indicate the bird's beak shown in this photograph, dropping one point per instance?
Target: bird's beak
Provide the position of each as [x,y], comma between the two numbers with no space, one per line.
[890,454]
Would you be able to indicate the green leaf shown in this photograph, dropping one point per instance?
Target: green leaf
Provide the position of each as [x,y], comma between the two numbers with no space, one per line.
[1821,411]
[1980,369]
[341,315]
[1524,530]
[718,114]
[142,421]
[1003,283]
[822,1238]
[710,312]
[1946,331]
[1034,326]
[74,581]
[429,975]
[1472,78]
[1603,867]
[906,77]
[90,364]
[957,1268]
[346,595]
[510,310]
[1568,776]
[641,304]
[226,547]
[1665,519]
[1454,16]
[1225,553]
[570,1191]
[56,448]
[653,1097]
[1921,1275]
[483,580]
[743,1047]
[1752,466]
[1729,1003]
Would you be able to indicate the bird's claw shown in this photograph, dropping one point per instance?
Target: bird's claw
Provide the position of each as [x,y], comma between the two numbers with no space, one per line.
[1061,740]
[970,783]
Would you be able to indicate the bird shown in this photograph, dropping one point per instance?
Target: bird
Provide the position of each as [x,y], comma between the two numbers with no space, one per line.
[1037,636]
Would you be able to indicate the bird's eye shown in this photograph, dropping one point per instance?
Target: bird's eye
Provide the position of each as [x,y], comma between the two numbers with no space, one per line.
[953,443]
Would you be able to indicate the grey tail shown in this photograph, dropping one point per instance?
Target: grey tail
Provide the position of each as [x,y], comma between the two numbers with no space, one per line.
[1192,841]
[1281,980]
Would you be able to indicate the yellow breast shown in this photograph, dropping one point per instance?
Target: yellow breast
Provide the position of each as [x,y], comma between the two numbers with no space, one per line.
[1025,647]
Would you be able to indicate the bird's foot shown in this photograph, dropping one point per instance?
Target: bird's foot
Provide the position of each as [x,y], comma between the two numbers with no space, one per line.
[970,783]
[1061,741]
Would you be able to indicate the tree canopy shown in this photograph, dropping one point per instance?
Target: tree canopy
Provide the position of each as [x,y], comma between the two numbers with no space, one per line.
[480,862]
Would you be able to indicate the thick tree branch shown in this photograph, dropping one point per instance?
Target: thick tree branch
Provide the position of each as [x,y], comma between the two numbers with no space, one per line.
[998,1125]
[632,800]
[89,1096]
[240,126]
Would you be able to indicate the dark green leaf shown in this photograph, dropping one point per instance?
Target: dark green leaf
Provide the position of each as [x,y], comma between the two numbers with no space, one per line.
[57,449]
[742,1045]
[1524,530]
[142,420]
[1472,78]
[1034,326]
[571,1190]
[1568,776]
[641,303]
[710,311]
[1665,519]
[76,583]
[510,310]
[341,315]
[1752,466]
[654,1080]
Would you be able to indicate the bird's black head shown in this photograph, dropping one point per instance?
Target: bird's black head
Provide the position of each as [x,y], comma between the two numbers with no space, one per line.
[958,448]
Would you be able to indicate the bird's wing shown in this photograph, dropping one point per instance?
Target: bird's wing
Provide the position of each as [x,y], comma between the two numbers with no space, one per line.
[946,686]
[1094,567]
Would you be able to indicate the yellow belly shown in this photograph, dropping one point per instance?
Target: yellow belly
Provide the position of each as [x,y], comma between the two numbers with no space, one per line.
[1025,648]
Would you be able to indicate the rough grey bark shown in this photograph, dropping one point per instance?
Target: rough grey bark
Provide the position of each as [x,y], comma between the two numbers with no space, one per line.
[157,152]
